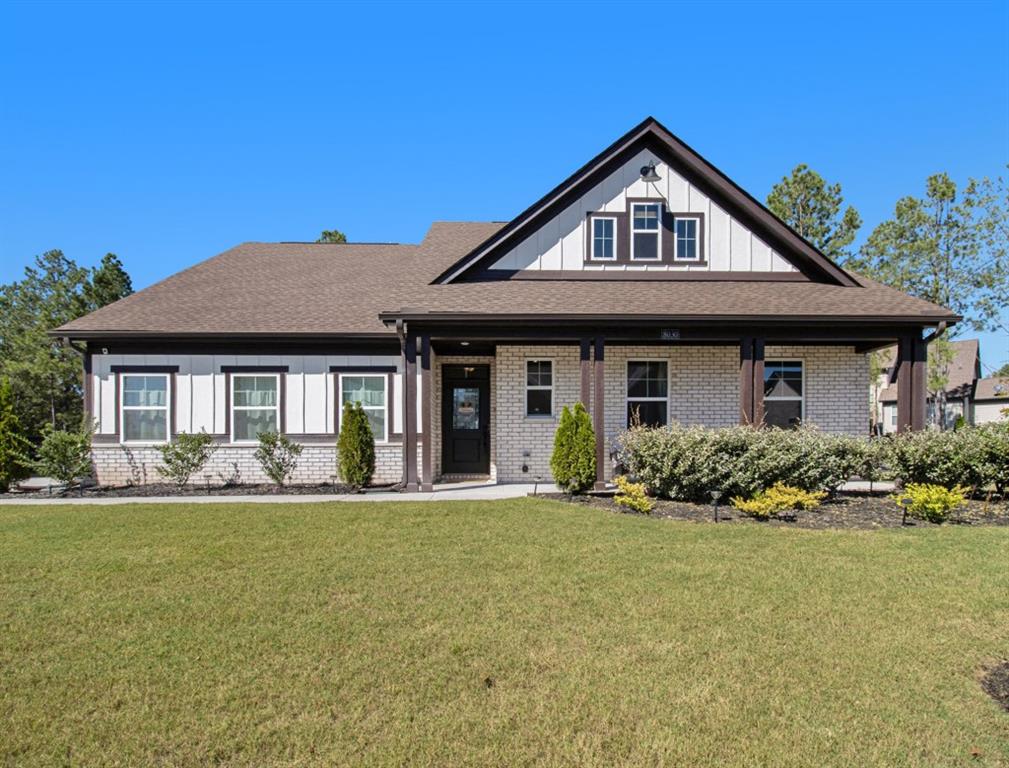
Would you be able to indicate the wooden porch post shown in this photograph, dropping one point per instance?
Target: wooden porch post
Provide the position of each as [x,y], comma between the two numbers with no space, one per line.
[598,415]
[746,415]
[585,358]
[427,432]
[919,386]
[904,385]
[758,382]
[410,412]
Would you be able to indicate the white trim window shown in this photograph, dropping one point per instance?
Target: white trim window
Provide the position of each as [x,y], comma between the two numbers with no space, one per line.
[604,238]
[371,390]
[144,407]
[647,393]
[539,388]
[646,231]
[255,405]
[784,393]
[687,229]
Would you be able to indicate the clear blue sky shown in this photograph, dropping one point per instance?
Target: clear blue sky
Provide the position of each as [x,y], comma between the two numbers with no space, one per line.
[167,133]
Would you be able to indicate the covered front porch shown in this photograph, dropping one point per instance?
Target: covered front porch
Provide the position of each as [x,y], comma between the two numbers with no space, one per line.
[482,396]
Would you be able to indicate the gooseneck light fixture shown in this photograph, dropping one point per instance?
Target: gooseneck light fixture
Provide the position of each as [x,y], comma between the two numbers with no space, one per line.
[648,174]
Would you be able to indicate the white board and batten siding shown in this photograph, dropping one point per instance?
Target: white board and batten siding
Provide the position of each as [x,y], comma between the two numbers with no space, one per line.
[561,243]
[200,402]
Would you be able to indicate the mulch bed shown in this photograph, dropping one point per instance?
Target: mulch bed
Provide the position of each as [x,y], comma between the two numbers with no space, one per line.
[167,489]
[996,684]
[845,510]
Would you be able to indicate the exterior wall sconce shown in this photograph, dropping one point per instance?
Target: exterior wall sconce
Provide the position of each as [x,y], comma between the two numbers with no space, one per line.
[648,174]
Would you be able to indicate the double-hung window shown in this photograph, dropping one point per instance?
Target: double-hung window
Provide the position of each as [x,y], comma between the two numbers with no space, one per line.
[646,231]
[539,388]
[647,393]
[783,393]
[604,239]
[371,391]
[255,405]
[686,239]
[145,411]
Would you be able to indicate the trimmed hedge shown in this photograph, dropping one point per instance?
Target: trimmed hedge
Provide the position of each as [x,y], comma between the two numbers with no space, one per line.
[689,462]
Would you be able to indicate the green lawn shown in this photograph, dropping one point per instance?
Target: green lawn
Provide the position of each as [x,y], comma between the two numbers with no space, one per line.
[366,634]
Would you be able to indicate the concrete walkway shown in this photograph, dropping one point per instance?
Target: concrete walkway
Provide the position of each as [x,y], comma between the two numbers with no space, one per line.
[447,492]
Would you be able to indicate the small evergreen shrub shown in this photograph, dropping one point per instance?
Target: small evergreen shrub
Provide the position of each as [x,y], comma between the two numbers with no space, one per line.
[633,496]
[278,456]
[186,455]
[355,447]
[573,462]
[777,499]
[14,446]
[65,456]
[930,502]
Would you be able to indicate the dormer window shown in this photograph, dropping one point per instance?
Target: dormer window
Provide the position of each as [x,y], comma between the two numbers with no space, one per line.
[604,239]
[686,239]
[646,231]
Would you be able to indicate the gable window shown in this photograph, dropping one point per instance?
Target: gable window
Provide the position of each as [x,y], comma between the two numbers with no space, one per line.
[604,238]
[370,390]
[645,231]
[144,416]
[539,388]
[686,239]
[647,393]
[255,405]
[783,393]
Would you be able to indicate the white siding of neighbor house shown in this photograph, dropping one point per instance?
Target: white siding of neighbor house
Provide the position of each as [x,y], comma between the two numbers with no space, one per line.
[987,411]
[560,244]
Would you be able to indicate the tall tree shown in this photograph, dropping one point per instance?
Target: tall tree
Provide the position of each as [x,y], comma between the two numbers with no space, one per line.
[988,202]
[109,282]
[332,236]
[812,208]
[1003,371]
[931,249]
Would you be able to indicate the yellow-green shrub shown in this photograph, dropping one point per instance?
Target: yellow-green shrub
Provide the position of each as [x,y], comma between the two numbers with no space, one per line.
[779,498]
[929,501]
[632,496]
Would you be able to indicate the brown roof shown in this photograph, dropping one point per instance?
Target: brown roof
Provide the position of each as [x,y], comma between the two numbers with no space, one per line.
[324,289]
[963,370]
[994,388]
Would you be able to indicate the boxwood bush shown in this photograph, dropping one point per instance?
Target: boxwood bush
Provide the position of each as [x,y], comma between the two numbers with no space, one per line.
[689,462]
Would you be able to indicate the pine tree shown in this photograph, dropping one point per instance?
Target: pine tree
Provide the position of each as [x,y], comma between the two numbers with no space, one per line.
[109,282]
[355,447]
[14,446]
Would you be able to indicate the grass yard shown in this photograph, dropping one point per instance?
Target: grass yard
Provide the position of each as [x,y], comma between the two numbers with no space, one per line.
[523,632]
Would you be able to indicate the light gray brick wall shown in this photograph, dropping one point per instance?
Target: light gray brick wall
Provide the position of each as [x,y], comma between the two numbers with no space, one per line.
[121,465]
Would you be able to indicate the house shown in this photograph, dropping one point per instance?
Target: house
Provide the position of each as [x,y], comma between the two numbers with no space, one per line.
[646,285]
[991,400]
[964,371]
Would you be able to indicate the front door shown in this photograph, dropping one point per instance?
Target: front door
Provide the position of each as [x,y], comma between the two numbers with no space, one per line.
[465,420]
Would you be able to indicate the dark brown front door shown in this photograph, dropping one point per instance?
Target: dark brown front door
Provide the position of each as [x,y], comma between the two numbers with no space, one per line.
[465,420]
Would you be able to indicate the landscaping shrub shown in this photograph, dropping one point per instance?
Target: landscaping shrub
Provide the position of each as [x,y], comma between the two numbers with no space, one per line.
[278,456]
[930,501]
[186,455]
[64,456]
[14,446]
[355,447]
[573,462]
[942,458]
[779,498]
[633,496]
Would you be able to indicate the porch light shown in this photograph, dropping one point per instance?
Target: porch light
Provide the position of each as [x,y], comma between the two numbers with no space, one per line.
[648,174]
[463,343]
[715,496]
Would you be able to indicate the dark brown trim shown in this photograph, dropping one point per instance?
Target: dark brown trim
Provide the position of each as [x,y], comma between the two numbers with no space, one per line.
[144,369]
[87,389]
[902,366]
[598,411]
[653,136]
[254,369]
[623,233]
[362,369]
[746,415]
[410,412]
[427,465]
[387,345]
[758,382]
[585,362]
[668,275]
[919,394]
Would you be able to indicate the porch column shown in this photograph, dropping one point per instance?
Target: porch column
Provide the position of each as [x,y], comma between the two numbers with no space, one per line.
[904,385]
[585,358]
[758,382]
[427,432]
[410,413]
[919,386]
[598,415]
[746,380]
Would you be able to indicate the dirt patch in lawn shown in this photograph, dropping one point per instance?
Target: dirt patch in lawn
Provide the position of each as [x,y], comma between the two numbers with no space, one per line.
[845,510]
[996,684]
[167,489]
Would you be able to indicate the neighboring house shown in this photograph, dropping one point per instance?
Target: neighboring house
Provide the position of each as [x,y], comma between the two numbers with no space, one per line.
[991,400]
[645,285]
[964,371]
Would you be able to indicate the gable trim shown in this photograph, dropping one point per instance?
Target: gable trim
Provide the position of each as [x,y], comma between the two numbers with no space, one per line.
[653,136]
